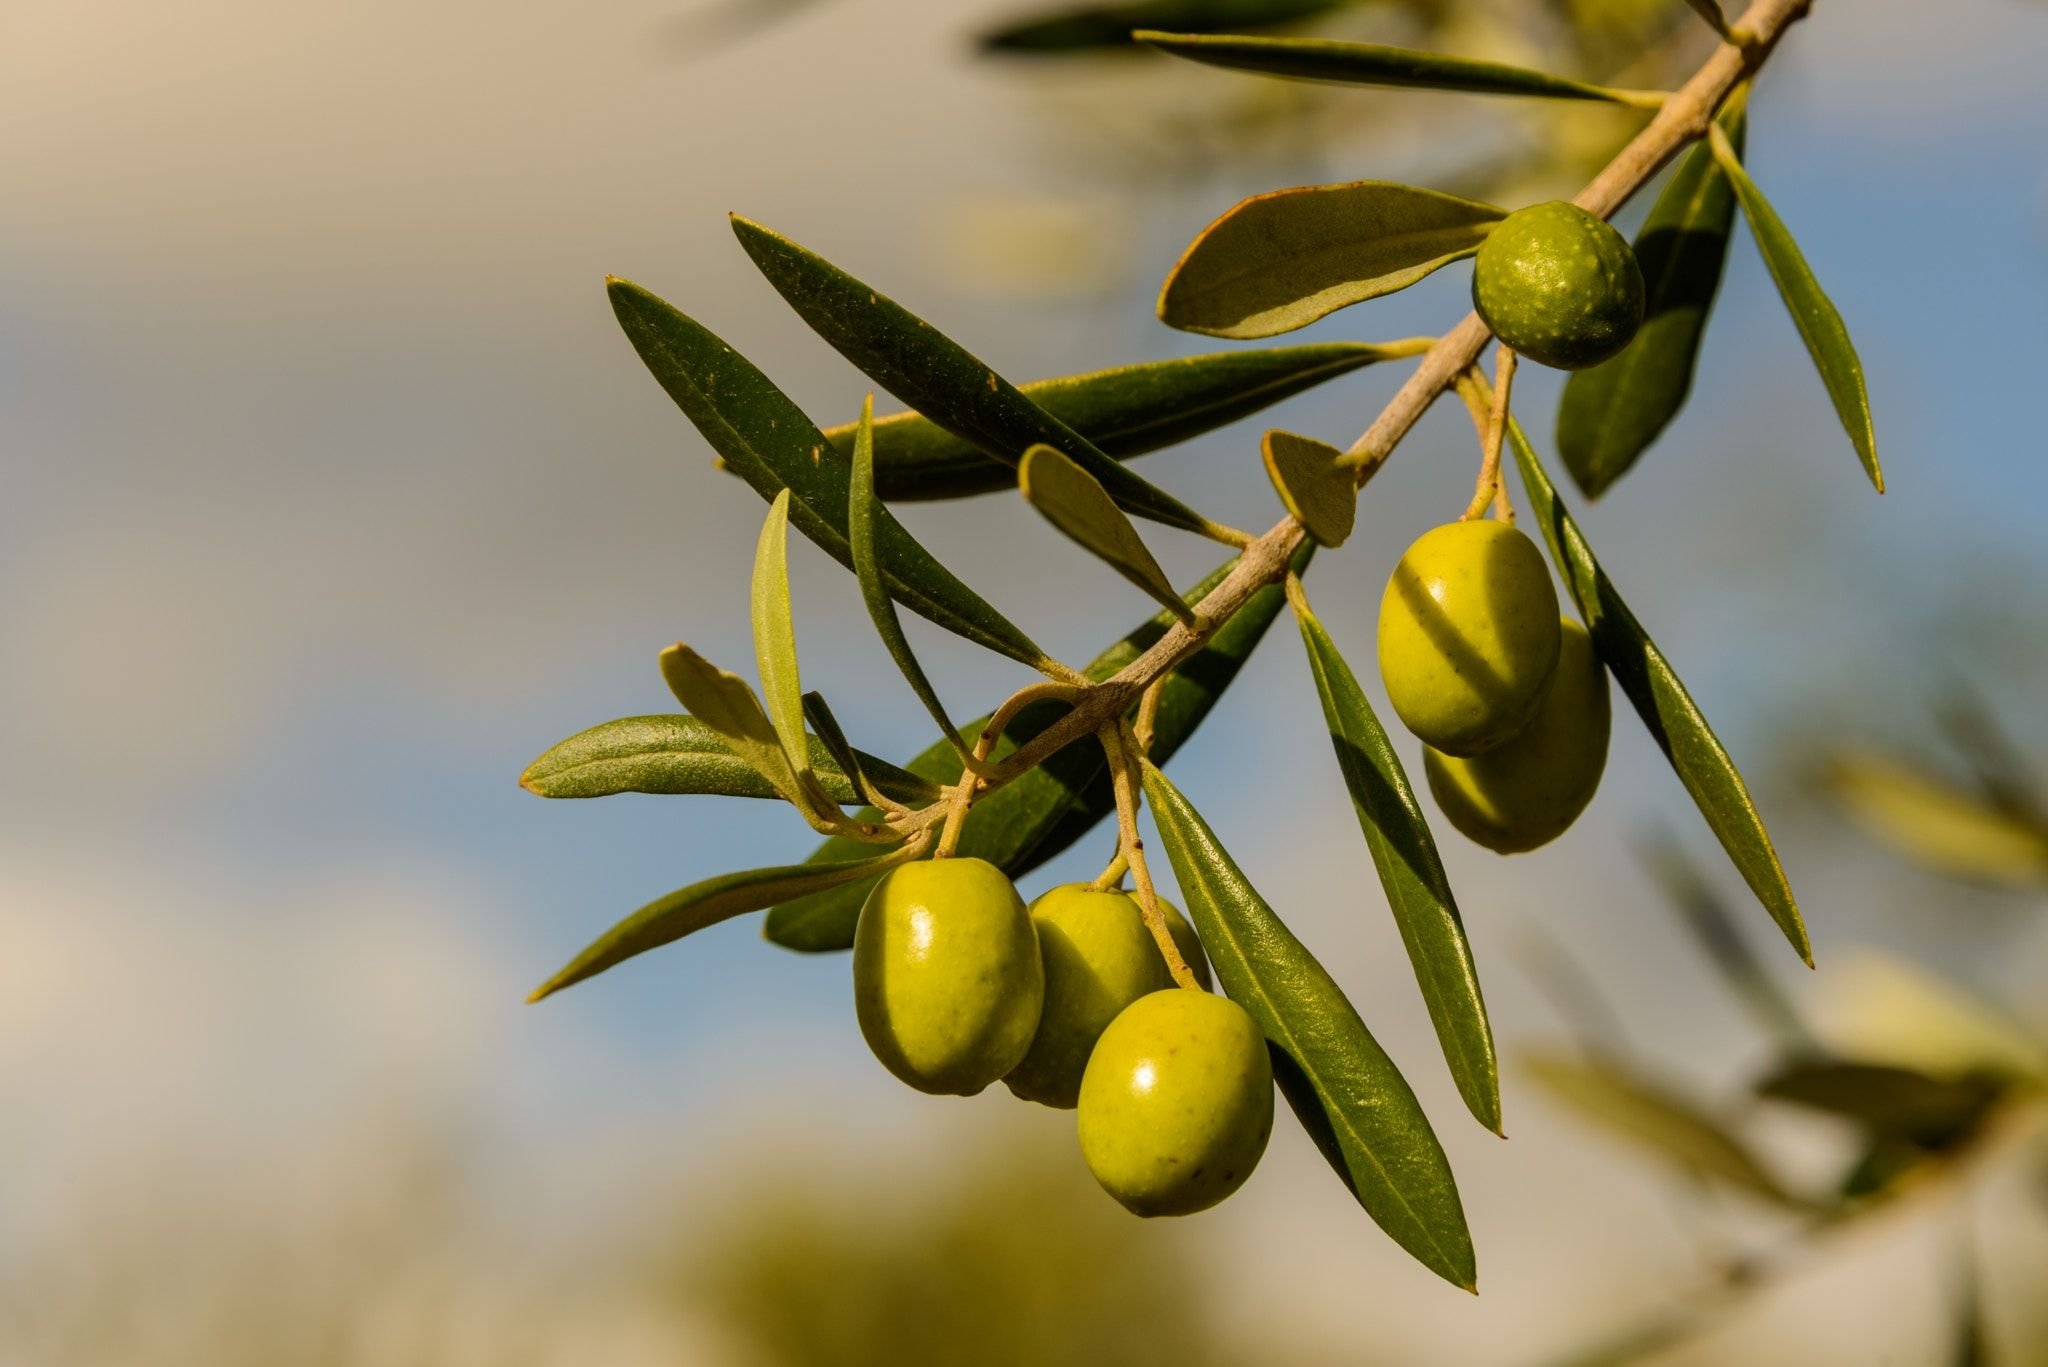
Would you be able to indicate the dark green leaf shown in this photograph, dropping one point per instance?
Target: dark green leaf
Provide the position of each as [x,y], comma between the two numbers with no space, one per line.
[1418,893]
[676,754]
[1657,1119]
[1320,493]
[1069,497]
[1279,261]
[775,632]
[934,374]
[767,441]
[703,904]
[1109,26]
[1327,59]
[1028,821]
[1348,1094]
[1820,326]
[1660,699]
[1126,411]
[1892,1102]
[1610,413]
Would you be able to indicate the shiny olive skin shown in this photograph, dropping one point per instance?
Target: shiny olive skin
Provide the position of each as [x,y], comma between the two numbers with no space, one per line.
[1099,958]
[1559,285]
[1468,635]
[947,980]
[1177,1102]
[1525,793]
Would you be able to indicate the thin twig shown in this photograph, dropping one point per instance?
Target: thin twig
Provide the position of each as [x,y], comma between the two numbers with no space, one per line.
[1117,744]
[1490,488]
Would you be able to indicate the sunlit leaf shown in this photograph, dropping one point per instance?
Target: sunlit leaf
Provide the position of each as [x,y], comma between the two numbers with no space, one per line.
[1404,853]
[1656,1119]
[673,753]
[1898,1102]
[934,374]
[767,441]
[1321,494]
[1667,710]
[775,633]
[1883,1010]
[1820,326]
[1125,411]
[726,703]
[703,904]
[1609,414]
[1092,27]
[1347,1093]
[1344,63]
[1952,831]
[1069,497]
[1279,261]
[1028,821]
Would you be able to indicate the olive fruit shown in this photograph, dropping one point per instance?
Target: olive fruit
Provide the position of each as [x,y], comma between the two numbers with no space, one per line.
[1468,635]
[946,975]
[1099,957]
[1177,1102]
[1559,286]
[1525,793]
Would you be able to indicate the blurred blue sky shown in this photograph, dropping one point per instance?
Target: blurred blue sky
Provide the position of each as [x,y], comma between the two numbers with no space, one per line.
[333,496]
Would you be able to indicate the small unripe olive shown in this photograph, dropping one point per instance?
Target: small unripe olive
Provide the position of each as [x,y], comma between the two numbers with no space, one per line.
[1099,958]
[1525,793]
[1559,286]
[1177,1102]
[946,976]
[1468,635]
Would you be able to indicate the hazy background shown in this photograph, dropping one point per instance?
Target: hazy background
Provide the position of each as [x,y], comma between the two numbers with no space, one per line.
[332,495]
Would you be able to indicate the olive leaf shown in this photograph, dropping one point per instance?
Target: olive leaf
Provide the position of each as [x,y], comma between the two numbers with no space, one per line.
[1658,694]
[669,918]
[1655,1118]
[1327,59]
[1070,498]
[1110,26]
[1404,853]
[934,374]
[1320,493]
[1895,1102]
[1279,261]
[775,634]
[851,763]
[767,441]
[864,513]
[1347,1093]
[1938,825]
[1039,814]
[1610,413]
[1125,411]
[726,703]
[674,753]
[1710,11]
[1820,326]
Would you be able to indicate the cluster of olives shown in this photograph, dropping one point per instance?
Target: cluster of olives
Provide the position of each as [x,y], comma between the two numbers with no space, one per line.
[957,984]
[1506,695]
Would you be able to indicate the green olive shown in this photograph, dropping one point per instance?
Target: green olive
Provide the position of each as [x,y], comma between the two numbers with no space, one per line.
[1177,1102]
[1468,635]
[1559,286]
[946,975]
[1099,958]
[1525,793]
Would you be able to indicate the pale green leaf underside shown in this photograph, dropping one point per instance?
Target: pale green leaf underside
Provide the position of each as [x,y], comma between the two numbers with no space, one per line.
[726,703]
[775,633]
[1321,494]
[1348,1094]
[674,754]
[1070,498]
[1279,261]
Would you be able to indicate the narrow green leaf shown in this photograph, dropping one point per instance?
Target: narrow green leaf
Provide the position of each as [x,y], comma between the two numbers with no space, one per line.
[864,515]
[1125,411]
[726,703]
[767,441]
[1655,1118]
[1348,1094]
[674,753]
[1892,1102]
[1322,494]
[1710,11]
[1934,823]
[1418,892]
[1028,821]
[1609,414]
[1070,498]
[1329,60]
[936,375]
[775,633]
[1093,27]
[1820,326]
[669,918]
[1279,261]
[1668,711]
[848,760]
